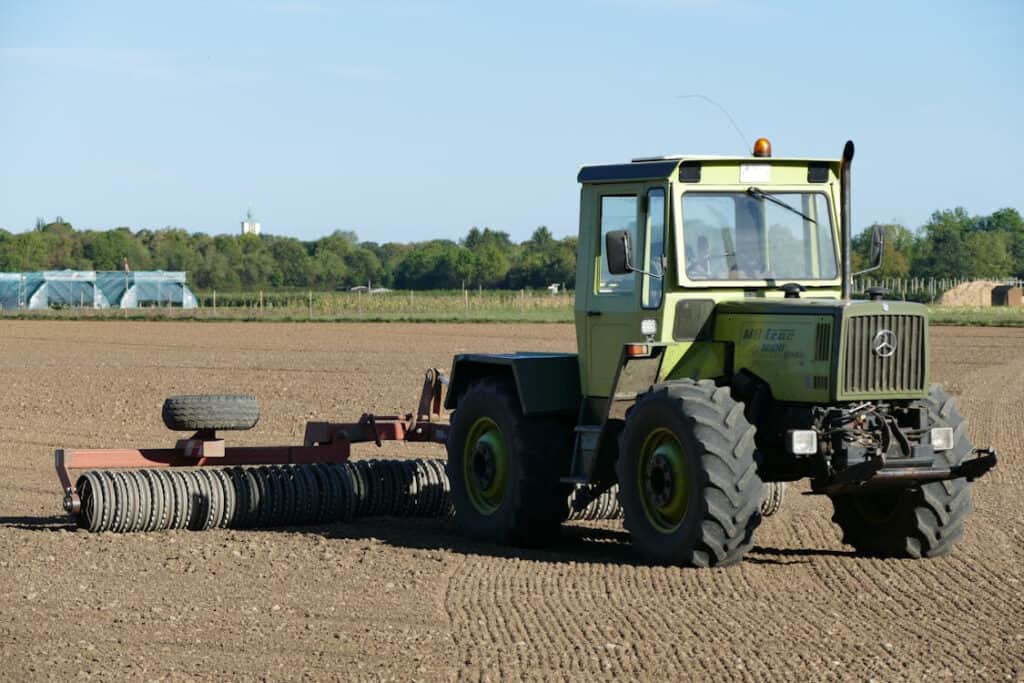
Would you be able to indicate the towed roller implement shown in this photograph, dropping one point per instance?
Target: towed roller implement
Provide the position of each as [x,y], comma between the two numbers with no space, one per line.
[201,483]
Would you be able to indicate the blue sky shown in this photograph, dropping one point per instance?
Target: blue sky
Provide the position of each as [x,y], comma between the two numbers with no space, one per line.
[406,120]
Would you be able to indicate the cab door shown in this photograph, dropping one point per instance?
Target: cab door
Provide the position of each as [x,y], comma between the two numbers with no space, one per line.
[613,305]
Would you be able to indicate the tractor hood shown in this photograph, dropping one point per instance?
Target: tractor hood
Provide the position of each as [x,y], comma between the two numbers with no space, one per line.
[832,307]
[822,350]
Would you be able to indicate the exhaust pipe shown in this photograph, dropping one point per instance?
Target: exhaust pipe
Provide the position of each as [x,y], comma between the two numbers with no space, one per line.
[845,224]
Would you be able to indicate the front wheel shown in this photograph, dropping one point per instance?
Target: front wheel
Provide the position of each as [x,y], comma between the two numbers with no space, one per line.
[687,478]
[504,467]
[924,521]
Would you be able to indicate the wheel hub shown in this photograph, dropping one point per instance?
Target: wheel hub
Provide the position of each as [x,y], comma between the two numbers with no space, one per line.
[660,481]
[663,480]
[483,464]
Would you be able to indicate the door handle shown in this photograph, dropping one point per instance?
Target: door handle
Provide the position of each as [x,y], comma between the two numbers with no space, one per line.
[593,314]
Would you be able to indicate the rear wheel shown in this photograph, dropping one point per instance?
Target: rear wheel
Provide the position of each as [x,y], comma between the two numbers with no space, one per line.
[687,477]
[504,467]
[924,521]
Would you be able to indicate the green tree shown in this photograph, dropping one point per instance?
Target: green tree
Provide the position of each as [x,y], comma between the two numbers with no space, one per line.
[1009,222]
[293,266]
[63,247]
[899,250]
[171,249]
[364,267]
[492,252]
[942,252]
[990,254]
[257,267]
[107,249]
[25,251]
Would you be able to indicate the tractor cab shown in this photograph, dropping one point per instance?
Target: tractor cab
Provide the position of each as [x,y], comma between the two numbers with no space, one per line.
[662,240]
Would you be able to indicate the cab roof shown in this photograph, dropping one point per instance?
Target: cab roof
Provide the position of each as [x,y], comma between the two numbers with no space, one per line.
[657,168]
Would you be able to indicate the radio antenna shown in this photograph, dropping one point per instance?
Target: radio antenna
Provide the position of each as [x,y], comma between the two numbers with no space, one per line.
[736,127]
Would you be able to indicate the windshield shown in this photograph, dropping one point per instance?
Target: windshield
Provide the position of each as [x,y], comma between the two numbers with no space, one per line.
[758,235]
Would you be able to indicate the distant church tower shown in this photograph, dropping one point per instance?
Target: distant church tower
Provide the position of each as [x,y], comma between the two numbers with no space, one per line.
[250,226]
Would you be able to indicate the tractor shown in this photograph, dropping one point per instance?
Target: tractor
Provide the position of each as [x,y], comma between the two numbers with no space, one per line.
[720,350]
[721,353]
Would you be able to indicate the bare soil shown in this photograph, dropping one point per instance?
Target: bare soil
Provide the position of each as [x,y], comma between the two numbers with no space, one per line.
[410,600]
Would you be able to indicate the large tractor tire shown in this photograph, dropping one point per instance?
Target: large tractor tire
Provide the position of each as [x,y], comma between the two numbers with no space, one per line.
[687,477]
[923,521]
[218,412]
[504,468]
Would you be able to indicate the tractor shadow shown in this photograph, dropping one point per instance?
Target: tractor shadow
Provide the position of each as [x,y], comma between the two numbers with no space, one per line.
[577,544]
[786,556]
[47,523]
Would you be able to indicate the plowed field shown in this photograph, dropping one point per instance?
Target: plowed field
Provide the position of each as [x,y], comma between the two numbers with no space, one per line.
[410,600]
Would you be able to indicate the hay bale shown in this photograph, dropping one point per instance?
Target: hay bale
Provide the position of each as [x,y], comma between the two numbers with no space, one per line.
[974,293]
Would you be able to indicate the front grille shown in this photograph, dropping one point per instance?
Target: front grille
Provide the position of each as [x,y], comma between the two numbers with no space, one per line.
[823,342]
[868,372]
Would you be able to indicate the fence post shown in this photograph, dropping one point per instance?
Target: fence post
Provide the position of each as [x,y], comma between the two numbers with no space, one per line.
[311,304]
[261,302]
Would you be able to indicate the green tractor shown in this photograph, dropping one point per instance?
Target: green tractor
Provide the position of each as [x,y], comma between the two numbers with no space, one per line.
[720,352]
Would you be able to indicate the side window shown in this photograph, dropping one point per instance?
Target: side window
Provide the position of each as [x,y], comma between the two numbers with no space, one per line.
[826,243]
[617,213]
[655,248]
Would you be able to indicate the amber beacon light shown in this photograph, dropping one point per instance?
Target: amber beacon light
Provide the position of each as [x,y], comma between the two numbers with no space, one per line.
[762,147]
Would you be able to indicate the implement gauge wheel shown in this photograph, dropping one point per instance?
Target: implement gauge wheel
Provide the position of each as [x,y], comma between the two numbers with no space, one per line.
[687,477]
[218,412]
[771,499]
[504,467]
[923,521]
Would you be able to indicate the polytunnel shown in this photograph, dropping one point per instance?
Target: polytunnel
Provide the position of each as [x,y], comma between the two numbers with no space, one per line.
[94,289]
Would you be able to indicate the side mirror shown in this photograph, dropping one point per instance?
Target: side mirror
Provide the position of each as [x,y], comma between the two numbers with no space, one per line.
[877,247]
[617,249]
[875,250]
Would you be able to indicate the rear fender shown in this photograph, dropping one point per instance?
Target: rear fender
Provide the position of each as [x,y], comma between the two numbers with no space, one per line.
[546,383]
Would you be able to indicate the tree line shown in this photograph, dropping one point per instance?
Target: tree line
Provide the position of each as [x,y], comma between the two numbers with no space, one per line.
[484,258]
[952,244]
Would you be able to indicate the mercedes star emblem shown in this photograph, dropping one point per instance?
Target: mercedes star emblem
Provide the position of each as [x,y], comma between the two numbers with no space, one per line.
[884,343]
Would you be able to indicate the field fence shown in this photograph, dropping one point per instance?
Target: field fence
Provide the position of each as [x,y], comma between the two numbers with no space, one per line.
[479,304]
[926,290]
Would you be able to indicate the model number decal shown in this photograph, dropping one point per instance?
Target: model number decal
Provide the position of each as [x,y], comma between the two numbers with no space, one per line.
[769,334]
[772,339]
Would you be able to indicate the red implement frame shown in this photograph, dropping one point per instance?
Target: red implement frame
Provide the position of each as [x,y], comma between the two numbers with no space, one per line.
[324,442]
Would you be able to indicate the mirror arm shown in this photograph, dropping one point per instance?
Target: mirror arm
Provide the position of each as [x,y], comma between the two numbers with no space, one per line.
[632,269]
[867,270]
[656,276]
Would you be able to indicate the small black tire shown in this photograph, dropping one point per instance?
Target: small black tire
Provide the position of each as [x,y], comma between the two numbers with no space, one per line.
[524,506]
[917,522]
[217,412]
[697,501]
[771,499]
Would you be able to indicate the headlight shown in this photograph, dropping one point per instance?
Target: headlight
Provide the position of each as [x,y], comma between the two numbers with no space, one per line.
[802,441]
[942,438]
